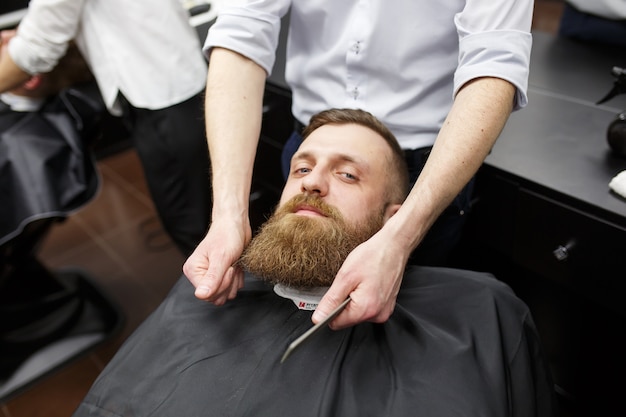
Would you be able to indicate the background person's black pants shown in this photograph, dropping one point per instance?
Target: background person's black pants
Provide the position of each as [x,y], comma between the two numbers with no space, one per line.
[171,144]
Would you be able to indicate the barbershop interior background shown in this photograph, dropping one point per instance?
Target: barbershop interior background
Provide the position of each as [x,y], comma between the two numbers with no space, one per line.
[544,221]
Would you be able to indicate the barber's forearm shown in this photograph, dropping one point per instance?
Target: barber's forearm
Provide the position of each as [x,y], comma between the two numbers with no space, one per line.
[234,100]
[478,115]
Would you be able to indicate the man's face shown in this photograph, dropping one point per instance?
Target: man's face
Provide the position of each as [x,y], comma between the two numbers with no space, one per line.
[333,201]
[345,165]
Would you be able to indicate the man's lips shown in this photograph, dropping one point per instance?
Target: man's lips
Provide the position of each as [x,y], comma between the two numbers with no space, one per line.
[306,210]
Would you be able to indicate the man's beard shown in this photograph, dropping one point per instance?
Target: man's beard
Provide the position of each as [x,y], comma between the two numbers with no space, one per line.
[302,251]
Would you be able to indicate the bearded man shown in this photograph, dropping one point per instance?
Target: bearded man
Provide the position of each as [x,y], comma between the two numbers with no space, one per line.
[457,343]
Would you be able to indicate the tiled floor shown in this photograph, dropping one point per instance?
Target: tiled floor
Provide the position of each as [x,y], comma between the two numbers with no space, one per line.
[117,239]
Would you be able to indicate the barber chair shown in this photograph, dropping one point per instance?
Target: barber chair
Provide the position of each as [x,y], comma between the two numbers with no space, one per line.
[47,172]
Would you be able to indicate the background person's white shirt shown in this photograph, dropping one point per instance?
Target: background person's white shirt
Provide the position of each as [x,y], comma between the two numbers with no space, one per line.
[145,49]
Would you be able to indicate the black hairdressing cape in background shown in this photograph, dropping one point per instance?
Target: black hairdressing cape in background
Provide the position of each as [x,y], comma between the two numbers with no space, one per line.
[459,343]
[46,167]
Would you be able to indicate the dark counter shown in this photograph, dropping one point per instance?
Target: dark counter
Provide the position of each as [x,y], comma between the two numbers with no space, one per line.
[546,222]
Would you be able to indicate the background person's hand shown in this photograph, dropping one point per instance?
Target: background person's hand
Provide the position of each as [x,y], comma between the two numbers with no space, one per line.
[371,275]
[5,36]
[210,267]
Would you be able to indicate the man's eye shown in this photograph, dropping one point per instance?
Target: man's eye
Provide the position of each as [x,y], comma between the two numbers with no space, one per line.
[348,176]
[302,170]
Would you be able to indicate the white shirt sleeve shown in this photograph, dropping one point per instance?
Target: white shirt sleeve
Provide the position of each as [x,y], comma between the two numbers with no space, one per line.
[44,33]
[495,40]
[256,38]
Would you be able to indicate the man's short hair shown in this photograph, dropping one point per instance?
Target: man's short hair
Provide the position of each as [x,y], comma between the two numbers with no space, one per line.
[397,166]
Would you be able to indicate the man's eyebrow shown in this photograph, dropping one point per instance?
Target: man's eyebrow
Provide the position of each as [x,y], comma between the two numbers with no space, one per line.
[361,163]
[302,155]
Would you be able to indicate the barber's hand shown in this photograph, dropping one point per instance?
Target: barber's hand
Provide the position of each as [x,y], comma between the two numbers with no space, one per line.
[210,267]
[371,275]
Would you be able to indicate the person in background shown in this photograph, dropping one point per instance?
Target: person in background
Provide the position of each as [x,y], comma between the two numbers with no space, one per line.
[598,21]
[45,151]
[30,95]
[148,64]
[443,76]
[459,343]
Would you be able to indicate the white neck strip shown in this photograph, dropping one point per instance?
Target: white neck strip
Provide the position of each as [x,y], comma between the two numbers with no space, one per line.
[303,299]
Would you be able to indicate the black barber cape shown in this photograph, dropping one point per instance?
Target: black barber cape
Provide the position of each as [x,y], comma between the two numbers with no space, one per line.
[47,169]
[459,343]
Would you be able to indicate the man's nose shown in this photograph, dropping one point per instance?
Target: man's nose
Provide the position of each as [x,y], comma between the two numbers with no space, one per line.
[315,183]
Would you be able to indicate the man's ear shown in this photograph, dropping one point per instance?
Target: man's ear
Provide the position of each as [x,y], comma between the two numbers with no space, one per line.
[390,210]
[33,82]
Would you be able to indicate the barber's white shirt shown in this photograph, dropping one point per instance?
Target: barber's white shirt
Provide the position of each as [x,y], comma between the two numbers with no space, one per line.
[610,9]
[402,60]
[145,49]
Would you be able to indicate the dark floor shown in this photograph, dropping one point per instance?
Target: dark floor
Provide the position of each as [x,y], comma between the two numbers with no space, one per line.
[117,239]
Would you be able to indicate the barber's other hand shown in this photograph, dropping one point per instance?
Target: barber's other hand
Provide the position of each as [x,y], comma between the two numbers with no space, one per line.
[371,275]
[210,267]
